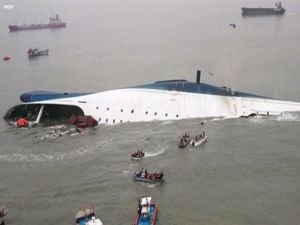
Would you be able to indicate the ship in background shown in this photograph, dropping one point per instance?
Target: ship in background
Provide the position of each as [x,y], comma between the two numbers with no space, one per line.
[278,10]
[54,23]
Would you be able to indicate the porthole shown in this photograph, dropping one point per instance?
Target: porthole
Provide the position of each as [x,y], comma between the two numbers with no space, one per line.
[132,111]
[121,110]
[177,115]
[97,107]
[99,119]
[146,112]
[166,114]
[106,120]
[121,121]
[107,109]
[114,121]
[155,113]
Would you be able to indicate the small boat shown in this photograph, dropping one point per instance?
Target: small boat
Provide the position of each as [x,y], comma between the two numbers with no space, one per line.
[199,139]
[147,212]
[37,52]
[137,155]
[184,140]
[144,176]
[3,213]
[278,10]
[6,58]
[87,216]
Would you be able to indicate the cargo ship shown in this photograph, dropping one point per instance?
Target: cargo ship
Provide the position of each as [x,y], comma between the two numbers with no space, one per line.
[278,10]
[54,23]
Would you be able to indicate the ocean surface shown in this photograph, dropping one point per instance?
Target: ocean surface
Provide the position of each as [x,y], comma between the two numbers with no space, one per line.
[248,173]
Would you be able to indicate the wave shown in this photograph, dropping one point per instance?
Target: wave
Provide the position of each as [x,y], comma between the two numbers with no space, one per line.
[43,157]
[287,117]
[17,157]
[284,117]
[152,154]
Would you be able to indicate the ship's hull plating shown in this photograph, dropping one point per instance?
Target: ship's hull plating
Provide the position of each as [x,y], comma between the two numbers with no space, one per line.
[13,28]
[138,104]
[262,11]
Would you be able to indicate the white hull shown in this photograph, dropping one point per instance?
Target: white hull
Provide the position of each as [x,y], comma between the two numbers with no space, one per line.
[136,105]
[197,143]
[162,101]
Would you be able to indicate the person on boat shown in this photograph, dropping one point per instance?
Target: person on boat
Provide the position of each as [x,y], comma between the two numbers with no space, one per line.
[181,141]
[143,173]
[161,174]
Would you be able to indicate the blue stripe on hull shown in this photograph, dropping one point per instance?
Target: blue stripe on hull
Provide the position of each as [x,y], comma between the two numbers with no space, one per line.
[35,96]
[192,87]
[146,221]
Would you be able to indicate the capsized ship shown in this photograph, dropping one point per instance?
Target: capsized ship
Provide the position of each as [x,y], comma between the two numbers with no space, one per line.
[54,23]
[278,10]
[162,100]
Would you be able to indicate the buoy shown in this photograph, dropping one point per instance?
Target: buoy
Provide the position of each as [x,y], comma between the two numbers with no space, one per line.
[22,122]
[6,58]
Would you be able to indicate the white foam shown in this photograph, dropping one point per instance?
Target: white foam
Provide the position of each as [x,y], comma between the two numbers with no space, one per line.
[152,154]
[287,117]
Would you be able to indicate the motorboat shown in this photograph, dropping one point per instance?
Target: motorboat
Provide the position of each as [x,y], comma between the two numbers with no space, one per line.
[199,139]
[87,216]
[184,140]
[137,155]
[147,212]
[32,52]
[162,100]
[145,176]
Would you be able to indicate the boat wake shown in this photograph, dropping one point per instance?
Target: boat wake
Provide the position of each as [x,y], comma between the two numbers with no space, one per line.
[152,154]
[17,157]
[287,117]
[284,117]
[54,132]
[42,157]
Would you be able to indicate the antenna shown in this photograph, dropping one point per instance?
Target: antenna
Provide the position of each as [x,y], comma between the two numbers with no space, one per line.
[198,77]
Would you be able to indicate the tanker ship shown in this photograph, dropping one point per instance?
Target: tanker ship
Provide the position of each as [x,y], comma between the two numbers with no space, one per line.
[54,23]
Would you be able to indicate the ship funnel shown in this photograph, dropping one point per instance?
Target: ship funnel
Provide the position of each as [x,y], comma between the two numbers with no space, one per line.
[198,76]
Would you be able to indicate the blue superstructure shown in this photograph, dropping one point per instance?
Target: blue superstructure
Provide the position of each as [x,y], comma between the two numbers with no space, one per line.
[168,85]
[34,96]
[192,87]
[147,220]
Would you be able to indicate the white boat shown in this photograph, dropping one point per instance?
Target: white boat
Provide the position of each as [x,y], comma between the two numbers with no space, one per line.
[162,100]
[198,140]
[87,216]
[138,155]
